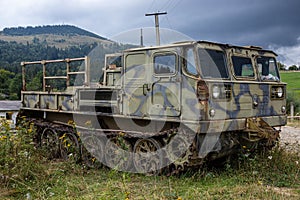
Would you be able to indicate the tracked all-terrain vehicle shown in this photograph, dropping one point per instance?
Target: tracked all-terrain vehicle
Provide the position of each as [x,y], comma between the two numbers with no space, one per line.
[157,108]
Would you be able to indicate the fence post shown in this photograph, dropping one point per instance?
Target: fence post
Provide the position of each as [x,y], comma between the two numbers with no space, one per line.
[23,76]
[292,111]
[43,62]
[87,78]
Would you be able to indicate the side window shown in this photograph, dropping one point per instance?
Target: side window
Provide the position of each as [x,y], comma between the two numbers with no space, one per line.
[165,64]
[135,66]
[114,62]
[190,64]
[242,67]
[267,69]
[212,63]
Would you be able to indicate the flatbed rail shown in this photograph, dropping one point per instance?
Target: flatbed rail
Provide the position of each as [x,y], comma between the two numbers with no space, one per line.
[67,61]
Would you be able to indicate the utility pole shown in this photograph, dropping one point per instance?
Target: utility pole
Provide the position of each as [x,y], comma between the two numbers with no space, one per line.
[142,39]
[156,24]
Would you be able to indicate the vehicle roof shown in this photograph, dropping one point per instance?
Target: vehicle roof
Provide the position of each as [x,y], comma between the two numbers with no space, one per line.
[255,48]
[187,43]
[177,44]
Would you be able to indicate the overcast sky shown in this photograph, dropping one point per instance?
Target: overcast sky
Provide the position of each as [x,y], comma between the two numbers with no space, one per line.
[273,24]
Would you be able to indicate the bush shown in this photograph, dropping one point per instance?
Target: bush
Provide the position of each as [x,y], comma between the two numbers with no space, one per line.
[20,163]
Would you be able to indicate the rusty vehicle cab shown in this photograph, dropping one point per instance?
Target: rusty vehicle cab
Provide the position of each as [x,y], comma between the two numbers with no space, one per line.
[222,96]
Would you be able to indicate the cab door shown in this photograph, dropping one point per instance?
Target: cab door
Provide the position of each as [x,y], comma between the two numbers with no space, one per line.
[135,79]
[165,85]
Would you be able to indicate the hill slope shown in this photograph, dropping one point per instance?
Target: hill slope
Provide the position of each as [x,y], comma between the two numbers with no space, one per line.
[46,43]
[59,36]
[48,29]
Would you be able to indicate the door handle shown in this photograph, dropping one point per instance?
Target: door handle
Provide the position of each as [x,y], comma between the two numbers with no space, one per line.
[146,89]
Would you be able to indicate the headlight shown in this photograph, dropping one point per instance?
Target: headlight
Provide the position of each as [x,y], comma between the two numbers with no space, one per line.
[279,92]
[212,112]
[216,91]
[283,109]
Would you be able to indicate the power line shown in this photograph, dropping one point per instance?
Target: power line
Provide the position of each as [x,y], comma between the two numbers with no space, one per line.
[151,6]
[175,4]
[166,5]
[170,6]
[169,22]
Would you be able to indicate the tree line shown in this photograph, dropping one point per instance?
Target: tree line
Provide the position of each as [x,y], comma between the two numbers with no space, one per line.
[13,53]
[283,67]
[48,29]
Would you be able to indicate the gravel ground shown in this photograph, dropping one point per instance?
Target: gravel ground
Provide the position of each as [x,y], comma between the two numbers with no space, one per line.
[290,137]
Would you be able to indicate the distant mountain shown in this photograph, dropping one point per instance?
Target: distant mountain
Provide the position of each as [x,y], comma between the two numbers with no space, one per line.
[49,29]
[59,36]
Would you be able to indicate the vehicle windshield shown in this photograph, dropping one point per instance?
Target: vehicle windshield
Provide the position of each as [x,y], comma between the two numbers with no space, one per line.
[267,69]
[212,63]
[242,67]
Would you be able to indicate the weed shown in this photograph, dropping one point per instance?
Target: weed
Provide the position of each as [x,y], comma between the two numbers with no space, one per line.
[20,165]
[26,174]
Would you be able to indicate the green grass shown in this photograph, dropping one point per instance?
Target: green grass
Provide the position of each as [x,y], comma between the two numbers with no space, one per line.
[70,181]
[293,82]
[26,174]
[292,78]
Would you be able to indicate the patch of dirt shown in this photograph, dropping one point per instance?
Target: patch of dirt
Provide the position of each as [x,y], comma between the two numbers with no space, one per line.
[290,137]
[286,192]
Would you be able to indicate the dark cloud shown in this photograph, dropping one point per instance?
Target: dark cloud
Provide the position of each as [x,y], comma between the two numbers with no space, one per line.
[258,22]
[244,22]
[266,23]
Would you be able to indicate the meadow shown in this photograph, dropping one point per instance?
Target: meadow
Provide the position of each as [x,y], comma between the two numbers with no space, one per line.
[292,78]
[25,173]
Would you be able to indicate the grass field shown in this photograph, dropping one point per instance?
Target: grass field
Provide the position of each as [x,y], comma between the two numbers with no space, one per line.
[293,82]
[26,174]
[271,178]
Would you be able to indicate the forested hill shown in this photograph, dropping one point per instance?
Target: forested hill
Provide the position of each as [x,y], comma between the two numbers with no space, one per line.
[48,29]
[45,43]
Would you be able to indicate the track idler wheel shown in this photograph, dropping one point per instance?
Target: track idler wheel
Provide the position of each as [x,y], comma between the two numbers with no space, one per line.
[92,149]
[147,158]
[50,143]
[69,147]
[118,154]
